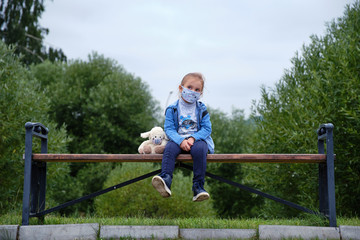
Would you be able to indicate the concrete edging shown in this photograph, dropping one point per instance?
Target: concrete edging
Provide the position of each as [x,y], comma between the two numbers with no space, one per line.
[9,231]
[93,230]
[350,232]
[152,232]
[278,232]
[205,233]
[59,232]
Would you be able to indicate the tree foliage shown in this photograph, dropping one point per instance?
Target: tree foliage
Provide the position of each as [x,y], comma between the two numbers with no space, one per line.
[104,109]
[20,102]
[322,86]
[231,134]
[19,26]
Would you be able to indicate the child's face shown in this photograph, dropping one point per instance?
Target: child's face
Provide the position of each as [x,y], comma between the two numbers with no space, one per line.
[193,84]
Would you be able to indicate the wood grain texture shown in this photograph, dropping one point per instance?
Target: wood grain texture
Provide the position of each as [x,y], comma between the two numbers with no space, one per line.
[211,158]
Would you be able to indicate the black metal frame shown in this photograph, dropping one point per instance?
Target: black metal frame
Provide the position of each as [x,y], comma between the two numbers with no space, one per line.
[35,178]
[327,173]
[34,172]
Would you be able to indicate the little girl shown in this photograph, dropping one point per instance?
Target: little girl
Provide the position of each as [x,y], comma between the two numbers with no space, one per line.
[188,126]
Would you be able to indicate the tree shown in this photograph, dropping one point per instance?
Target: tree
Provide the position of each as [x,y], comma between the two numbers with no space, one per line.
[20,102]
[322,86]
[231,135]
[19,26]
[104,109]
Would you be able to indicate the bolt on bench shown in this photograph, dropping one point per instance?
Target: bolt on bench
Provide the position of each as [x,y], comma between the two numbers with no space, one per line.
[35,171]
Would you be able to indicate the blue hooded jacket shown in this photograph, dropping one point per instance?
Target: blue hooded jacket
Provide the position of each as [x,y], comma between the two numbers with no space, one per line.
[204,125]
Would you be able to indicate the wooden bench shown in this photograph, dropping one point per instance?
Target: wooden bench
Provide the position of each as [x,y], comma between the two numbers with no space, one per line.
[35,171]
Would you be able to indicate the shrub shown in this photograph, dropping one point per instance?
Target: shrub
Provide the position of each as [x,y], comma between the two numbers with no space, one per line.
[22,101]
[141,199]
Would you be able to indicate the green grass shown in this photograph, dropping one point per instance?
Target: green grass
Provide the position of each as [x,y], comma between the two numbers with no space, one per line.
[245,223]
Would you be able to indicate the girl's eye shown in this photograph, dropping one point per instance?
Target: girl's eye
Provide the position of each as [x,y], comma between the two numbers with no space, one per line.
[190,87]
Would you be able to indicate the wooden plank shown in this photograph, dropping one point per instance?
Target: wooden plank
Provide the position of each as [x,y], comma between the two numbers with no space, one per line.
[217,158]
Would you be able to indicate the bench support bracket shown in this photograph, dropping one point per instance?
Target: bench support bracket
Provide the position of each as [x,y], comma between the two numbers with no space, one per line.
[252,190]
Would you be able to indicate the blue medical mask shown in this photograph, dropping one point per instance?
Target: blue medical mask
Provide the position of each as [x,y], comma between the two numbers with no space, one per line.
[189,95]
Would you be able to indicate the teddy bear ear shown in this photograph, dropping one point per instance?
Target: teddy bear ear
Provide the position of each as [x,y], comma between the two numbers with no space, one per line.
[145,134]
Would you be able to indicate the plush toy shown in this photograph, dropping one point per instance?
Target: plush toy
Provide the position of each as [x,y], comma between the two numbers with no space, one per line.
[156,143]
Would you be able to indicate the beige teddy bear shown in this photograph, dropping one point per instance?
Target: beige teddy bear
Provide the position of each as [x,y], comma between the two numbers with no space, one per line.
[156,143]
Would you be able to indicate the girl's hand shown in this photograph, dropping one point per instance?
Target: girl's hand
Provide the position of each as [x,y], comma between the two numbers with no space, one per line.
[187,144]
[191,141]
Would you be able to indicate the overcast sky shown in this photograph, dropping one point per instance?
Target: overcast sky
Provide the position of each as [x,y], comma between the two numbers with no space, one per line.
[239,45]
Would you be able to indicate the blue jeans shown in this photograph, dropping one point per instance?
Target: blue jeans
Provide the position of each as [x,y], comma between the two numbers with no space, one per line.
[198,152]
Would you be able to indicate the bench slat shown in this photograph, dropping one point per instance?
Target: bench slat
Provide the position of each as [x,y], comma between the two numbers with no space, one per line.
[219,158]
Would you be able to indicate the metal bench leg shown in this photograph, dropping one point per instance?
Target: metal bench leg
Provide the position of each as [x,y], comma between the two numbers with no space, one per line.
[327,174]
[27,176]
[323,185]
[330,174]
[34,173]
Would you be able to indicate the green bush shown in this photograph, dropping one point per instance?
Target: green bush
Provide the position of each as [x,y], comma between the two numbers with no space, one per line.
[21,101]
[141,199]
[231,134]
[322,86]
[104,109]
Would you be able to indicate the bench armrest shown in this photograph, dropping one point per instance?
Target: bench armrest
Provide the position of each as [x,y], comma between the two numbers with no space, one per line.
[38,129]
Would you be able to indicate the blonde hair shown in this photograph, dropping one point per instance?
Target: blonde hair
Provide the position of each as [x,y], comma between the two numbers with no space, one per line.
[195,75]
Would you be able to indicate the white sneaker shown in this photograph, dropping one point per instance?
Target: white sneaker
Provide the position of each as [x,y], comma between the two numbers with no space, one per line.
[200,193]
[160,185]
[201,197]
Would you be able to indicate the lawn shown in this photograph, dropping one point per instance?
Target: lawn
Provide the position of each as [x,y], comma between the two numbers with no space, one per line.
[242,223]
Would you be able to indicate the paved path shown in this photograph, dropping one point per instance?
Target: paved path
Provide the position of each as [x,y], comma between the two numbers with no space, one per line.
[95,231]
